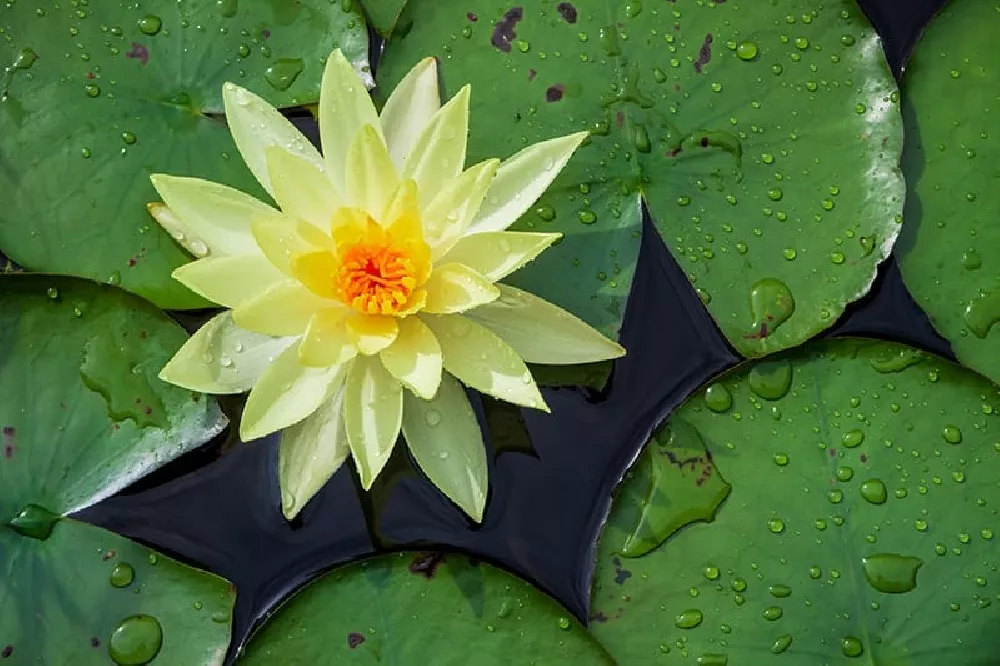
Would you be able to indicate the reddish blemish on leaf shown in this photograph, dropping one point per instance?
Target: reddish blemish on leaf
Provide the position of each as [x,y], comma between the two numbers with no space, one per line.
[131,262]
[833,452]
[620,119]
[531,74]
[354,639]
[503,33]
[8,447]
[108,554]
[426,564]
[6,651]
[265,33]
[90,75]
[864,457]
[554,93]
[95,642]
[139,52]
[704,54]
[567,11]
[759,335]
[472,17]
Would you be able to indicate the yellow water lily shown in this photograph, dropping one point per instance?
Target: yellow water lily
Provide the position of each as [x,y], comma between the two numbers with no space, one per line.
[359,306]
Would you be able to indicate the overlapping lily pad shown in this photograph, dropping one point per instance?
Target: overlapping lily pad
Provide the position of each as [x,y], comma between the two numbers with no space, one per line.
[82,416]
[98,95]
[408,608]
[952,165]
[764,138]
[861,526]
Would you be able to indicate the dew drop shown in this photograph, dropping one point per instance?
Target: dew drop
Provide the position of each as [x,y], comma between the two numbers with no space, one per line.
[718,398]
[772,613]
[771,379]
[135,641]
[432,417]
[150,24]
[281,74]
[781,644]
[689,619]
[851,647]
[891,573]
[771,304]
[874,491]
[122,575]
[746,51]
[951,434]
[852,438]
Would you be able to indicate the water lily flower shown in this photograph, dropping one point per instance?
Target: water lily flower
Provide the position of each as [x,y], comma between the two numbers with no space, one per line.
[360,304]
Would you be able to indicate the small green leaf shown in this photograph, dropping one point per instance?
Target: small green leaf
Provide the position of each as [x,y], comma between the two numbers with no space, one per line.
[950,162]
[82,410]
[114,92]
[861,521]
[84,595]
[720,117]
[432,608]
[83,415]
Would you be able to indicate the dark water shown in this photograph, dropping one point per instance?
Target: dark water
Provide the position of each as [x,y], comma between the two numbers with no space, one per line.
[551,476]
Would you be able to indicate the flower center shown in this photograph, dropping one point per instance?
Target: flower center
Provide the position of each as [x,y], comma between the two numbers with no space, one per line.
[375,276]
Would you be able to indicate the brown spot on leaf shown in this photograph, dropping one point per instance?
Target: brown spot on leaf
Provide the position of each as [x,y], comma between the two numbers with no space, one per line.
[531,74]
[354,639]
[471,16]
[503,33]
[554,93]
[567,11]
[95,642]
[426,564]
[139,52]
[6,651]
[108,554]
[864,457]
[704,54]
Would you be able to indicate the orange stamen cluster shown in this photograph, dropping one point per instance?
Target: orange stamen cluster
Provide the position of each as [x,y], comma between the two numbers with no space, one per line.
[375,277]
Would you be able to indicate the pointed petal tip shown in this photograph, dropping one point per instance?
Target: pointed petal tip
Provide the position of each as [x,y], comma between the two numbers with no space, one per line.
[289,512]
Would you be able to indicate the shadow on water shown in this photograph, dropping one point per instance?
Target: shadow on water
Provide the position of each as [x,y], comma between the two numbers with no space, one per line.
[551,475]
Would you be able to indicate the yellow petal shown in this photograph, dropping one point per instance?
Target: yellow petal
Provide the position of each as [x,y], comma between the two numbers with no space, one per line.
[219,215]
[180,232]
[445,439]
[222,357]
[521,180]
[326,341]
[416,303]
[456,288]
[497,254]
[371,179]
[286,393]
[373,409]
[281,240]
[349,226]
[228,281]
[284,309]
[541,332]
[316,270]
[479,358]
[310,452]
[257,126]
[449,214]
[439,153]
[409,108]
[301,188]
[402,216]
[372,333]
[414,358]
[344,108]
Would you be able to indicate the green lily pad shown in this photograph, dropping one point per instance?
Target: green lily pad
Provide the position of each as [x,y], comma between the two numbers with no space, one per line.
[861,527]
[83,415]
[383,14]
[436,608]
[96,96]
[721,117]
[86,596]
[947,247]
